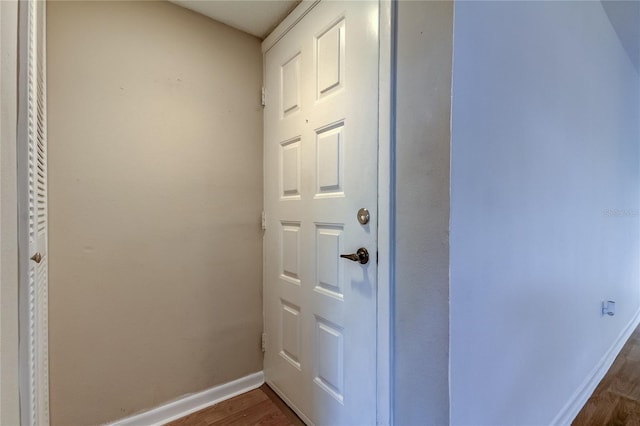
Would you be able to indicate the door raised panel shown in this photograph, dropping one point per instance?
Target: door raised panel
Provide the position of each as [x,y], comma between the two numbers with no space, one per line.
[290,168]
[330,58]
[329,161]
[290,252]
[290,343]
[328,267]
[291,85]
[329,374]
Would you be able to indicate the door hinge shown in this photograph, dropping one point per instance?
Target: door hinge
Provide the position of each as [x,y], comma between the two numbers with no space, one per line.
[264,97]
[264,221]
[264,342]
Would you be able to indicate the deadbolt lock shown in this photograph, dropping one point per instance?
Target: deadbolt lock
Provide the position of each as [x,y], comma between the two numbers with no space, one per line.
[363,216]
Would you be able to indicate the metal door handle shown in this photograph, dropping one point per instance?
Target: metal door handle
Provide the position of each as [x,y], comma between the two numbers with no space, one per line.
[361,256]
[37,257]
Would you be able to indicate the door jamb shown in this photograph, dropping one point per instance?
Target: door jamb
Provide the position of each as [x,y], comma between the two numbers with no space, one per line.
[9,357]
[386,210]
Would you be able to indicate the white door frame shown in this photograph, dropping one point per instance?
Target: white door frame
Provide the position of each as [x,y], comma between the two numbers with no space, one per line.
[9,358]
[33,347]
[386,190]
[386,209]
[13,78]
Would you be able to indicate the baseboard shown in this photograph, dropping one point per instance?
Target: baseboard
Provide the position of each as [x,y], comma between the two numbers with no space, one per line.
[191,403]
[580,397]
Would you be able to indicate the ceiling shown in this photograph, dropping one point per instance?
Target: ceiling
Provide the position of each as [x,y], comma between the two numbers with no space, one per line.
[256,17]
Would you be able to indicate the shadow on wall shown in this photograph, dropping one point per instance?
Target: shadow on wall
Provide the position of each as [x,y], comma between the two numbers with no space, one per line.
[625,18]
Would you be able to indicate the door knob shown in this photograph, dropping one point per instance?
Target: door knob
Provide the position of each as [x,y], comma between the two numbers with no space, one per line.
[361,256]
[37,257]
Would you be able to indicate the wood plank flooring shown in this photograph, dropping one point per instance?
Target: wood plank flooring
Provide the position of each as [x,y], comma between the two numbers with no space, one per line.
[258,407]
[616,400]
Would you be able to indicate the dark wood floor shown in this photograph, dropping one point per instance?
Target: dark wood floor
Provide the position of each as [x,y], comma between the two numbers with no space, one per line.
[257,407]
[616,400]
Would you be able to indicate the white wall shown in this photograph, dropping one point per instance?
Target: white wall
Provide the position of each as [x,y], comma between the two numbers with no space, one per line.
[423,106]
[545,139]
[9,408]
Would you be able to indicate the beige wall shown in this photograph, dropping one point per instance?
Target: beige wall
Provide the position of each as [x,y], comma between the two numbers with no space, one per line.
[155,167]
[423,110]
[9,406]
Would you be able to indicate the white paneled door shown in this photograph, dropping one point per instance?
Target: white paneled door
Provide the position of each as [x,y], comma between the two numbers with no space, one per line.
[321,141]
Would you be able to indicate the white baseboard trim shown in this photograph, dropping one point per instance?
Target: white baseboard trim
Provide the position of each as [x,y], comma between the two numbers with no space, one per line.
[580,397]
[191,403]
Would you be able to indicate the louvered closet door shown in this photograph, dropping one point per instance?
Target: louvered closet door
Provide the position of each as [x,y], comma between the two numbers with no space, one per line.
[321,123]
[34,295]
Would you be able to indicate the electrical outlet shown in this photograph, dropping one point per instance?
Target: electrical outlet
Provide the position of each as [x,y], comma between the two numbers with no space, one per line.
[609,308]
